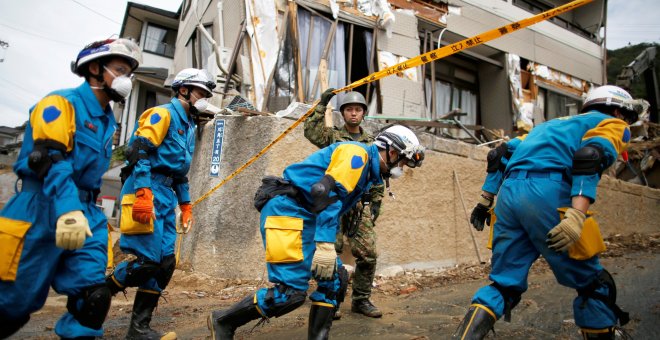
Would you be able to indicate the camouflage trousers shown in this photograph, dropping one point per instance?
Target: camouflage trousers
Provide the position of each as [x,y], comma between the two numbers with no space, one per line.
[363,248]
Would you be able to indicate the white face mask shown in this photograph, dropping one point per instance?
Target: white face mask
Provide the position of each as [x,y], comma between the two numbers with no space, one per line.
[396,172]
[122,84]
[201,104]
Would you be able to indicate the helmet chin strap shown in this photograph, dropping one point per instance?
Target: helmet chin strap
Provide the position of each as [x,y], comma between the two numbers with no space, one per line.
[191,108]
[112,93]
[386,176]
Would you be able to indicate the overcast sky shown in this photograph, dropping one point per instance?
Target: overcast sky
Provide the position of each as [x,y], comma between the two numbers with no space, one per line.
[44,36]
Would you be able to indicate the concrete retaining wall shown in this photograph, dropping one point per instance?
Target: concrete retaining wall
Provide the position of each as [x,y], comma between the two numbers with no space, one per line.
[424,227]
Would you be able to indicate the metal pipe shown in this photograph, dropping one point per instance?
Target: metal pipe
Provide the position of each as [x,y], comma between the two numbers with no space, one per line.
[208,37]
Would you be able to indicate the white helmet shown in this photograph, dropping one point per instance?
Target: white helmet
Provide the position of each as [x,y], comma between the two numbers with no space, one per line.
[405,142]
[609,95]
[194,77]
[125,48]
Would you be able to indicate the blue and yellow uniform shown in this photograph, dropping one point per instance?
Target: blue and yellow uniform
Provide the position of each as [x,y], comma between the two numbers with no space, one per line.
[538,180]
[290,231]
[168,136]
[30,262]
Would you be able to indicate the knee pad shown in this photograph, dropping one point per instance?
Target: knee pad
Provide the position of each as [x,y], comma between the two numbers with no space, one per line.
[166,271]
[589,292]
[91,306]
[276,307]
[11,326]
[139,271]
[343,284]
[511,299]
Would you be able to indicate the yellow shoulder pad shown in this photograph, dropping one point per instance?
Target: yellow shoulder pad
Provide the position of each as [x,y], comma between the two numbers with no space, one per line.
[153,125]
[346,165]
[53,118]
[614,130]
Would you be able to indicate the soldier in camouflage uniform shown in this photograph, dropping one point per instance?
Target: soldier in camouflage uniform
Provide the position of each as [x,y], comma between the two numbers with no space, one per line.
[358,224]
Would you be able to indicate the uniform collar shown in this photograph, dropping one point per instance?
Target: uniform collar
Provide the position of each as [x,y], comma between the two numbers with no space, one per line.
[91,103]
[363,135]
[178,107]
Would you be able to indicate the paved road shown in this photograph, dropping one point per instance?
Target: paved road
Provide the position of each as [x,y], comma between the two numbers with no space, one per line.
[433,313]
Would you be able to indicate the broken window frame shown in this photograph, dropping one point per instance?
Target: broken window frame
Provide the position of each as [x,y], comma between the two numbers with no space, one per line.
[344,57]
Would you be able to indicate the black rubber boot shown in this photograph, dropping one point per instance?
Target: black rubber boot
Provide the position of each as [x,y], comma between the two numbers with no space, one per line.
[598,334]
[476,324]
[143,308]
[320,320]
[11,326]
[364,306]
[223,323]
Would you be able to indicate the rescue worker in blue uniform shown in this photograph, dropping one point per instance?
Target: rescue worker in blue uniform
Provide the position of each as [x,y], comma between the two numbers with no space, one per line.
[299,218]
[159,156]
[51,231]
[545,182]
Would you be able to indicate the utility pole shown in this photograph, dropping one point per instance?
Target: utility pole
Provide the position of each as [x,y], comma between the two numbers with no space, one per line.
[4,46]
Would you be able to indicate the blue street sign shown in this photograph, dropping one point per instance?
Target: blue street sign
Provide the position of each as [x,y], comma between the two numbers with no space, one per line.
[216,154]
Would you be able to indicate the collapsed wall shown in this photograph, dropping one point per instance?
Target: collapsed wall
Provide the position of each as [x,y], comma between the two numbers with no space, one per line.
[424,227]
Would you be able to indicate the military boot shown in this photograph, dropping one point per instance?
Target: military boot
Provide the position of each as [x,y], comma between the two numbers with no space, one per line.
[598,334]
[143,308]
[478,321]
[320,320]
[223,323]
[364,306]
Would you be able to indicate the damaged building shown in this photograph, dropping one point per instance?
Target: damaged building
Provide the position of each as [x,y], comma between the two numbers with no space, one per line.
[278,52]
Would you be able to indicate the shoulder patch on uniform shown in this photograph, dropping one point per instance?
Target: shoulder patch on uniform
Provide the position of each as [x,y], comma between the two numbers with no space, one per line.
[626,135]
[51,113]
[154,119]
[357,162]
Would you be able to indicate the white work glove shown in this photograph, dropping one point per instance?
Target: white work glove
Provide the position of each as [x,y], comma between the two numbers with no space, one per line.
[324,261]
[71,231]
[567,232]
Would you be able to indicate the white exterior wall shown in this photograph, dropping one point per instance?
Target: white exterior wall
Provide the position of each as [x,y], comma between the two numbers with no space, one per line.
[545,42]
[154,60]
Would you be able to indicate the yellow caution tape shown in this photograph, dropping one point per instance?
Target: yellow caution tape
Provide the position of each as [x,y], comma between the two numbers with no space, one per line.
[410,63]
[177,254]
[464,44]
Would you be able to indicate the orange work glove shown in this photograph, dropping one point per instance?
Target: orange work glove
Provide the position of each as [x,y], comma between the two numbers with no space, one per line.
[143,208]
[186,217]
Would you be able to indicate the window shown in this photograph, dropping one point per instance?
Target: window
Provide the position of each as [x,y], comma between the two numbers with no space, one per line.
[198,49]
[160,40]
[558,105]
[456,86]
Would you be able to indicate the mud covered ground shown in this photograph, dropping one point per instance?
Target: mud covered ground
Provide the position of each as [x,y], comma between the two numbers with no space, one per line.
[416,305]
